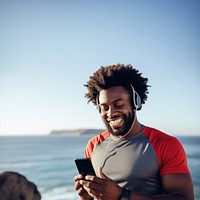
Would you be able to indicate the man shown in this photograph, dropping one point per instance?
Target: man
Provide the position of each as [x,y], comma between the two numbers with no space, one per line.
[133,161]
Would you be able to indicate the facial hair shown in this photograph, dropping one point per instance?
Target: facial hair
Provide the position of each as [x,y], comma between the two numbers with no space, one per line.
[128,120]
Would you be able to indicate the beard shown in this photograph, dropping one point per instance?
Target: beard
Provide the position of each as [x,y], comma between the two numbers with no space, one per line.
[128,121]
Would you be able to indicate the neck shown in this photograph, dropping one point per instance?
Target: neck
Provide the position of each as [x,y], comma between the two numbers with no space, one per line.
[136,127]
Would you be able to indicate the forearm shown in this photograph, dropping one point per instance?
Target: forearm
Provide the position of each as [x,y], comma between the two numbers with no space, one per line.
[174,196]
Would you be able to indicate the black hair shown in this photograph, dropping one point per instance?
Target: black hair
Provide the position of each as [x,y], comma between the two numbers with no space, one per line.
[116,75]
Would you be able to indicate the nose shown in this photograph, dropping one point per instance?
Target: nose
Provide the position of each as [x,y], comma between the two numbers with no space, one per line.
[111,111]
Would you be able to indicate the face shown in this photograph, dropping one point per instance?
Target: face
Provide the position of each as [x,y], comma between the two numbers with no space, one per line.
[116,110]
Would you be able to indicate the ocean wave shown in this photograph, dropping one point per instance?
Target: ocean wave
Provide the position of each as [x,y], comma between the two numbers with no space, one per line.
[60,193]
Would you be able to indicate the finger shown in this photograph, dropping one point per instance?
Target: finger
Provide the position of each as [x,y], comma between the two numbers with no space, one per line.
[80,191]
[95,179]
[93,189]
[78,177]
[77,185]
[96,195]
[92,192]
[89,184]
[93,186]
[86,183]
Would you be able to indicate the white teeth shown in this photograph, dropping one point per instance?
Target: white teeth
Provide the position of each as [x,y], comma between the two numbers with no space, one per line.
[115,122]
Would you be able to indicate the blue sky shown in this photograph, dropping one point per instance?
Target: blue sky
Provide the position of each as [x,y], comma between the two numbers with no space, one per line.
[50,48]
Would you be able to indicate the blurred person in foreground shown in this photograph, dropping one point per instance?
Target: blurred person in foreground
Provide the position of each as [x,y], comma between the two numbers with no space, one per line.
[133,161]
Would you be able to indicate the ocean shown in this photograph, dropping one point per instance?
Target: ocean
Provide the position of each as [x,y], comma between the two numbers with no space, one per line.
[48,161]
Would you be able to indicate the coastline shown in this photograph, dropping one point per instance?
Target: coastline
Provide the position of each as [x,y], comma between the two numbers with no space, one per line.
[77,131]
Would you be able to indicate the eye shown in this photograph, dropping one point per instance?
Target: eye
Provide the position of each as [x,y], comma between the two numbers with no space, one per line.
[119,105]
[104,108]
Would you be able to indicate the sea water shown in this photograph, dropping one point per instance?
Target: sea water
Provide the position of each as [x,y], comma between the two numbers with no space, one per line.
[48,161]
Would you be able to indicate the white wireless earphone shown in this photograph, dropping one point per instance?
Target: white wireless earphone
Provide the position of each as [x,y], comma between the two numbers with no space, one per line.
[136,99]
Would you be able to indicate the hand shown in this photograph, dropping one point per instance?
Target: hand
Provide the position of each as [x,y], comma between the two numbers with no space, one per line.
[101,188]
[80,189]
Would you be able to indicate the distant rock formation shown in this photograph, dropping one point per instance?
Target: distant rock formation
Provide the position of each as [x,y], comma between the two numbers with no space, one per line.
[77,131]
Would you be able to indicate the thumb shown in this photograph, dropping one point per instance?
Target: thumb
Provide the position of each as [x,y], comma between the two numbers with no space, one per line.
[101,174]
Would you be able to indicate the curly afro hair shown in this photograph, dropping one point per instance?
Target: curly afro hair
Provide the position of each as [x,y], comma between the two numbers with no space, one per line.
[116,75]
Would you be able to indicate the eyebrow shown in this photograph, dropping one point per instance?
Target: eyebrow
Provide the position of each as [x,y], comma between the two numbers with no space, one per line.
[120,99]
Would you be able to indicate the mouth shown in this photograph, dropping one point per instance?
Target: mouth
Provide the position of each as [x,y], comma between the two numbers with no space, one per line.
[116,122]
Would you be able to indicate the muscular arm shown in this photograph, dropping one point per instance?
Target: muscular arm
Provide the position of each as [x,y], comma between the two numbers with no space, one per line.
[176,187]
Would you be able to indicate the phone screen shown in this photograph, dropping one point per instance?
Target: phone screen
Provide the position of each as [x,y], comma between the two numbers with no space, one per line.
[84,166]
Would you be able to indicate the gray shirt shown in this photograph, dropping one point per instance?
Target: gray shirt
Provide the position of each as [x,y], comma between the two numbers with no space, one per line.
[135,163]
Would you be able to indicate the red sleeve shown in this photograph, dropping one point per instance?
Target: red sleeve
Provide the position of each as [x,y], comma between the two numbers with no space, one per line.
[169,151]
[89,149]
[93,142]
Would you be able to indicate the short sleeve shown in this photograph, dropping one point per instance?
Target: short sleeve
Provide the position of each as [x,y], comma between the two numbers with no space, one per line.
[169,151]
[173,160]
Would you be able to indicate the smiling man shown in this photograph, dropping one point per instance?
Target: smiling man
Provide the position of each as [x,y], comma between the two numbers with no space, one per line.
[133,161]
[116,98]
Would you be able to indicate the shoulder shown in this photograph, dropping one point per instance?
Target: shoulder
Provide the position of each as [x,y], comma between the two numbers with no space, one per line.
[159,139]
[170,153]
[99,138]
[95,141]
[156,135]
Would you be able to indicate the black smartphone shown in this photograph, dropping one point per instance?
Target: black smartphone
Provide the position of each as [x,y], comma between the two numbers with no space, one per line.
[84,166]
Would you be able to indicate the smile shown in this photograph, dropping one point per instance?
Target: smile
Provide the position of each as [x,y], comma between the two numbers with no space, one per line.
[116,122]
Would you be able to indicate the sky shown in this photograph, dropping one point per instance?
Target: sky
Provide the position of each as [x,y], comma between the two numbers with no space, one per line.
[48,50]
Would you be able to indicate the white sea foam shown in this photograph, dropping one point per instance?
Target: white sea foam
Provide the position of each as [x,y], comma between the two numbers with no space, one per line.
[60,193]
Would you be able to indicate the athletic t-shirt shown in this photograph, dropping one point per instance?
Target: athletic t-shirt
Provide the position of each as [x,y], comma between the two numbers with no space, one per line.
[138,163]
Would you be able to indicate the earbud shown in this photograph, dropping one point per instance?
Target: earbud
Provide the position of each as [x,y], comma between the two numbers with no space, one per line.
[136,99]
